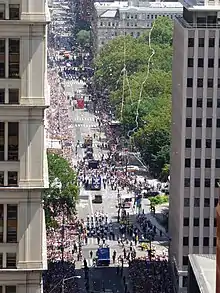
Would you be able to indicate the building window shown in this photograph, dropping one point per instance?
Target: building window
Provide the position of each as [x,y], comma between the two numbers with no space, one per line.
[211,62]
[13,137]
[217,163]
[200,62]
[185,260]
[209,103]
[188,143]
[198,122]
[14,58]
[186,222]
[215,222]
[185,281]
[206,241]
[2,179]
[216,202]
[218,103]
[197,182]
[196,222]
[210,82]
[10,289]
[198,143]
[2,96]
[13,96]
[209,122]
[187,163]
[2,11]
[12,178]
[190,62]
[218,143]
[196,202]
[1,222]
[197,163]
[217,123]
[201,42]
[188,122]
[2,141]
[199,103]
[2,58]
[12,215]
[186,202]
[14,11]
[195,241]
[208,163]
[185,241]
[11,260]
[189,102]
[206,202]
[190,42]
[214,241]
[189,82]
[187,182]
[208,143]
[211,42]
[207,182]
[206,222]
[217,181]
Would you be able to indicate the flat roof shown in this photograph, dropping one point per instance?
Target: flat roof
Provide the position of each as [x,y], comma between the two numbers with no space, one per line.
[109,13]
[199,5]
[204,268]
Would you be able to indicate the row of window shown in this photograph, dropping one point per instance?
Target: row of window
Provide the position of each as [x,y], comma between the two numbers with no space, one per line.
[13,12]
[200,82]
[10,261]
[11,223]
[201,42]
[12,179]
[144,16]
[199,122]
[208,163]
[211,62]
[12,94]
[13,58]
[198,143]
[8,289]
[197,182]
[206,222]
[199,102]
[13,141]
[197,202]
[196,241]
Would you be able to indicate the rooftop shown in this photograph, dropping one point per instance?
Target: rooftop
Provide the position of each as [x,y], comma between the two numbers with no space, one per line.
[204,268]
[142,5]
[199,5]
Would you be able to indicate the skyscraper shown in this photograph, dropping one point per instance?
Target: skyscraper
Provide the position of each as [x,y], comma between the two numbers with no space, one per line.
[23,165]
[195,153]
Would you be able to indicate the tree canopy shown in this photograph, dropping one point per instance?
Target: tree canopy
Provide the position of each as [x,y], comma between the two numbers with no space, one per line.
[83,38]
[63,190]
[140,89]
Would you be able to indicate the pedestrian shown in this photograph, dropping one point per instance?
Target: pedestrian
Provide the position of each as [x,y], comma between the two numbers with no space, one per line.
[91,254]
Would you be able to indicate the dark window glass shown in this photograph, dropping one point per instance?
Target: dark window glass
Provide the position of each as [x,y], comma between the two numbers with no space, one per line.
[189,102]
[208,143]
[218,82]
[13,96]
[206,241]
[207,182]
[215,222]
[197,182]
[14,11]
[218,103]
[1,222]
[199,103]
[2,96]
[211,42]
[214,241]
[187,163]
[185,281]
[2,57]
[206,222]
[14,58]
[209,103]
[186,202]
[2,141]
[216,202]
[12,217]
[185,241]
[186,222]
[197,163]
[188,143]
[218,123]
[10,289]
[217,163]
[189,82]
[217,182]
[11,260]
[210,62]
[195,241]
[190,62]
[196,202]
[185,260]
[190,42]
[217,143]
[198,143]
[187,182]
[188,122]
[199,82]
[12,178]
[209,122]
[2,179]
[198,122]
[13,138]
[200,62]
[210,82]
[201,42]
[2,11]
[206,202]
[196,222]
[208,163]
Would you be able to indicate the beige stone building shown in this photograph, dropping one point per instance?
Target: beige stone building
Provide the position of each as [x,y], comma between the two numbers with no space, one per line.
[23,165]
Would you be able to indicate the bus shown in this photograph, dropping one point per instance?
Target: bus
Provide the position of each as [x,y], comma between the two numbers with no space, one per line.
[96,183]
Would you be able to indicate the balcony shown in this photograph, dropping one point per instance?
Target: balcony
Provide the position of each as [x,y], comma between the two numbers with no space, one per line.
[195,25]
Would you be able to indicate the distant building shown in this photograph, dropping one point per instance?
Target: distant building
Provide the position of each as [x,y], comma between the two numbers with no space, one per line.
[130,17]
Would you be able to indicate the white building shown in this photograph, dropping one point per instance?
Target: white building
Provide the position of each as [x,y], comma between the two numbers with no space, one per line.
[23,164]
[195,155]
[130,18]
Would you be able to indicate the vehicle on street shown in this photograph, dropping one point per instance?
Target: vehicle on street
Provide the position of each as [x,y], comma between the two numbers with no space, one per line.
[97,198]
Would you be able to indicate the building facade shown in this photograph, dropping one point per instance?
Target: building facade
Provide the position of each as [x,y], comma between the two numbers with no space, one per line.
[218,249]
[130,18]
[23,165]
[195,152]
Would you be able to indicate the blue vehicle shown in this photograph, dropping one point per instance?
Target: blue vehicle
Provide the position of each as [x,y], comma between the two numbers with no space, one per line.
[96,183]
[103,256]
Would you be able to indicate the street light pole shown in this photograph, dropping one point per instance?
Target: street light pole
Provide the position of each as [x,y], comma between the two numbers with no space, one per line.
[67,279]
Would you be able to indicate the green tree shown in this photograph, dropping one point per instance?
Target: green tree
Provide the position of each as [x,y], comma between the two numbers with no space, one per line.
[83,38]
[162,32]
[63,191]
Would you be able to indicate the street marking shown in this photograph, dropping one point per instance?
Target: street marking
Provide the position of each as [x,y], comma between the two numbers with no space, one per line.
[90,201]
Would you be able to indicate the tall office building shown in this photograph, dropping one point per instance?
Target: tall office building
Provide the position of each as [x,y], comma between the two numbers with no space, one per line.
[195,154]
[23,165]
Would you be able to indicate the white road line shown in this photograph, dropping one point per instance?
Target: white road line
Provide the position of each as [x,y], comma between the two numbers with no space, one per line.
[90,201]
